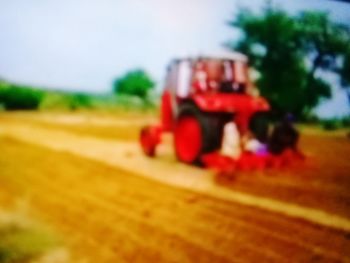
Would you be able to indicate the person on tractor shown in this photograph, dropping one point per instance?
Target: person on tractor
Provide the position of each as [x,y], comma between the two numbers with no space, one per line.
[199,80]
[231,141]
[206,76]
[228,83]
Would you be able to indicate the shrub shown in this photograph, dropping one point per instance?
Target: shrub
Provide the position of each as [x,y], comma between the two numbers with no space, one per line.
[310,118]
[20,98]
[135,83]
[79,100]
[331,124]
[54,100]
[346,121]
[65,101]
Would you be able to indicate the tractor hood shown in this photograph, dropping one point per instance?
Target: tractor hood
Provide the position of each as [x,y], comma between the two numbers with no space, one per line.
[235,103]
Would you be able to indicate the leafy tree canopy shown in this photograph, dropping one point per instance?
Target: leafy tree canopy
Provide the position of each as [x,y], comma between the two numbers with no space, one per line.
[289,51]
[136,82]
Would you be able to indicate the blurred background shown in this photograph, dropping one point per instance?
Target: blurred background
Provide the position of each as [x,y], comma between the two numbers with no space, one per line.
[85,47]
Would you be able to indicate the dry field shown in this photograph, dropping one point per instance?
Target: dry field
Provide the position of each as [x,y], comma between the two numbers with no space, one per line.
[85,177]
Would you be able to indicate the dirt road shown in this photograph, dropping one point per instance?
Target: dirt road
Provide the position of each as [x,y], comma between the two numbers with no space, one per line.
[111,215]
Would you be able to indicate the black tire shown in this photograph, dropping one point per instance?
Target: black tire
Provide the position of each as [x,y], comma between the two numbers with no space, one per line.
[259,126]
[283,136]
[211,129]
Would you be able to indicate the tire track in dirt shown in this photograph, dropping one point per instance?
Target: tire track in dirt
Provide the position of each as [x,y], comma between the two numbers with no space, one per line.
[193,238]
[127,155]
[54,203]
[53,199]
[283,240]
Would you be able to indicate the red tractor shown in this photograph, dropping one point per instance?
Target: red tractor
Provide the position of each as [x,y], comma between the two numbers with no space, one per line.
[200,96]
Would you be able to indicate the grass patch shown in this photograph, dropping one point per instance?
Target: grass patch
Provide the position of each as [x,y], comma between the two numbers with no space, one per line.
[331,124]
[21,97]
[21,241]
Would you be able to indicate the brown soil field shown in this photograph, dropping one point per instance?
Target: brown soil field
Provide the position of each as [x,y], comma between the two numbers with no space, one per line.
[322,181]
[107,214]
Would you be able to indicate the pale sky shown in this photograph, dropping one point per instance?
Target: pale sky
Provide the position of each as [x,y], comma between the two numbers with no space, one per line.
[84,44]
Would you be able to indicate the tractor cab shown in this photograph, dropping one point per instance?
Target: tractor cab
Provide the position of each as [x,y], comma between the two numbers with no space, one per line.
[186,77]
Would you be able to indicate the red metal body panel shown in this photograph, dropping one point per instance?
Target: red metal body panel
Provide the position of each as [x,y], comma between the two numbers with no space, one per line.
[235,103]
[249,161]
[242,105]
[167,112]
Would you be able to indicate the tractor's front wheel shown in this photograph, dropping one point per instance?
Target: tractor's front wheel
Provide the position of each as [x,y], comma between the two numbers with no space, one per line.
[149,139]
[188,139]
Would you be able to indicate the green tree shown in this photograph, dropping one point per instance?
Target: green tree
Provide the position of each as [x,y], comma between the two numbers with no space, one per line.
[345,70]
[325,44]
[288,52]
[345,73]
[136,82]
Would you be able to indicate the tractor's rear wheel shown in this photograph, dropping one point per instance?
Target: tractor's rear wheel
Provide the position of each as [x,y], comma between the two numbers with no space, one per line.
[195,134]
